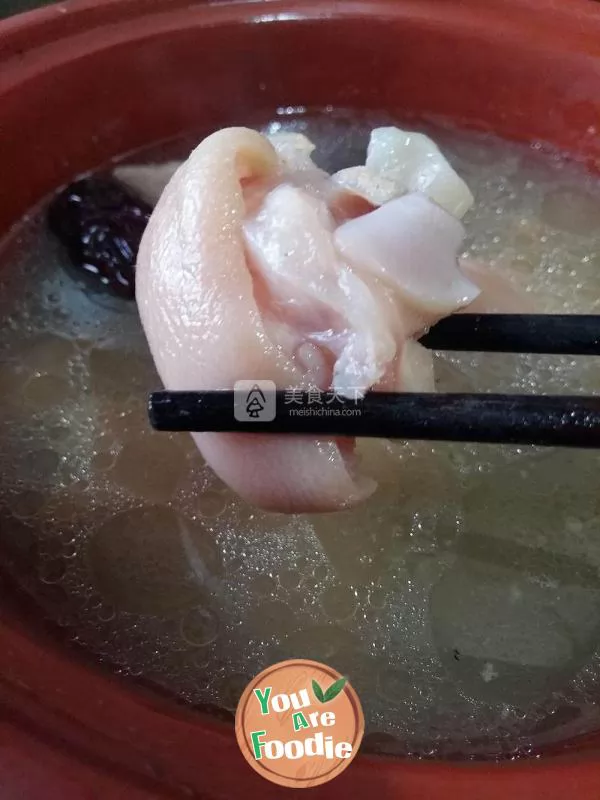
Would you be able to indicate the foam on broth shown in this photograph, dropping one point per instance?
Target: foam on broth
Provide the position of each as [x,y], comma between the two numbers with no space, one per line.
[463,600]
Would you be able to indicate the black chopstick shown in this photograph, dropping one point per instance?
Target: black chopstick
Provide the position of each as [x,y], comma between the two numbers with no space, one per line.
[558,334]
[548,420]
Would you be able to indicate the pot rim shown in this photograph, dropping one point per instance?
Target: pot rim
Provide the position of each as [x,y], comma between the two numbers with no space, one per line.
[34,42]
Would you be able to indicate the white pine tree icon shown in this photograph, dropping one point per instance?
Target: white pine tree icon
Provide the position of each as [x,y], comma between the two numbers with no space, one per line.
[255,402]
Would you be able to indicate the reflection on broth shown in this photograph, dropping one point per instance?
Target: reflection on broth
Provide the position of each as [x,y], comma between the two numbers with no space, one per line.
[463,599]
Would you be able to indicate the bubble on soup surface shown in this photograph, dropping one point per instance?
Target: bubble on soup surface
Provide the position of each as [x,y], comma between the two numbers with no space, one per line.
[103,461]
[139,563]
[57,433]
[43,391]
[51,570]
[263,585]
[200,626]
[211,503]
[28,503]
[289,579]
[378,598]
[338,601]
[106,613]
[63,508]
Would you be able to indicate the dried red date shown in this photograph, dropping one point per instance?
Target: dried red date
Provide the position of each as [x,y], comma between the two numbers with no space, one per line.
[101,224]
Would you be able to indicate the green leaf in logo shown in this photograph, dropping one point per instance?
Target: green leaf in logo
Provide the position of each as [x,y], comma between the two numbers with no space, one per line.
[334,690]
[318,692]
[331,693]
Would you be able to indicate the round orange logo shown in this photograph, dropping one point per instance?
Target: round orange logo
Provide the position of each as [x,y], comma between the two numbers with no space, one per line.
[299,723]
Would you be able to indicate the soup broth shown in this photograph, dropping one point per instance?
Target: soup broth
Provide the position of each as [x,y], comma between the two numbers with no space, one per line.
[462,600]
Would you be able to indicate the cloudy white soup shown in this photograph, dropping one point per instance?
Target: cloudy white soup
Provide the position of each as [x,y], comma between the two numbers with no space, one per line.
[456,585]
